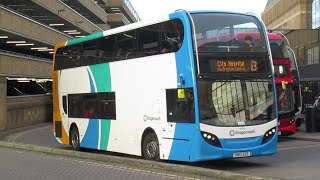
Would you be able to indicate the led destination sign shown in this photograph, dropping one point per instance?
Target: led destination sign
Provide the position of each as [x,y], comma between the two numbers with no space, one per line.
[234,66]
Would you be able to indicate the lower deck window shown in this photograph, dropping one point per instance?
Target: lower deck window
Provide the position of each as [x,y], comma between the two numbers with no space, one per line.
[92,105]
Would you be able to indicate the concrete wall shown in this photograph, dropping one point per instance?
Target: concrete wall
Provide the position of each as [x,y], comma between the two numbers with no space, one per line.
[3,103]
[17,24]
[28,110]
[61,9]
[12,65]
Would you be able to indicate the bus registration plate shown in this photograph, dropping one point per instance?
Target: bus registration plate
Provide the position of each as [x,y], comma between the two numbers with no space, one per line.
[241,154]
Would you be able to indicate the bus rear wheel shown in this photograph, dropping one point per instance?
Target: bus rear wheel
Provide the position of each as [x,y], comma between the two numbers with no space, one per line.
[150,147]
[74,139]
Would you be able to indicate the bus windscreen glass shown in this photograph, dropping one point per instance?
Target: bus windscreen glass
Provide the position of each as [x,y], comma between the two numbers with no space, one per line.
[230,43]
[285,100]
[278,49]
[227,33]
[236,102]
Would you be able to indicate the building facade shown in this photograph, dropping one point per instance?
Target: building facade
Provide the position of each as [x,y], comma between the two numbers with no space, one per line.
[299,20]
[29,29]
[287,14]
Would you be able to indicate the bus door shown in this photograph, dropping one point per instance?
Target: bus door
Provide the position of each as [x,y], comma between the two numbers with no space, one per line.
[180,125]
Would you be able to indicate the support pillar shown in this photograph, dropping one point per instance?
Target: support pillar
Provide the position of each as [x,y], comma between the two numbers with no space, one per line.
[3,103]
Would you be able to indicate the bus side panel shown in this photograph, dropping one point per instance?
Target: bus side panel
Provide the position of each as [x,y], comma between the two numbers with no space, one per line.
[184,132]
[140,85]
[94,133]
[71,85]
[58,126]
[102,81]
[57,114]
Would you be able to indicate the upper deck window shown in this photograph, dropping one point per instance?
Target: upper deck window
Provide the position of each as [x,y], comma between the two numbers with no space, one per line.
[217,32]
[278,49]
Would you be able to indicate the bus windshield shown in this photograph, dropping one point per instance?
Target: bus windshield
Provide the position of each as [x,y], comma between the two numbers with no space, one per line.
[236,102]
[278,49]
[230,43]
[228,33]
[285,100]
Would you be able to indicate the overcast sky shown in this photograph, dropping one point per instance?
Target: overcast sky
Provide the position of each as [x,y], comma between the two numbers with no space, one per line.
[149,9]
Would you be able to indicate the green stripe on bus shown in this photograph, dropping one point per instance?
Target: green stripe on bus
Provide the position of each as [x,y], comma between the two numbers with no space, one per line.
[83,39]
[101,73]
[105,133]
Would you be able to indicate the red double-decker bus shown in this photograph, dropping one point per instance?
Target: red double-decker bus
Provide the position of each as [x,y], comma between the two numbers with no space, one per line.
[287,106]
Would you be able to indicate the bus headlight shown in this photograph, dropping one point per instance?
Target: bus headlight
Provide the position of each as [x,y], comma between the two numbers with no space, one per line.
[268,135]
[211,139]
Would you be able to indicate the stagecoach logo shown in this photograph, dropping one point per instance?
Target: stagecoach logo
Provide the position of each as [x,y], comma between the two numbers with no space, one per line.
[150,118]
[233,132]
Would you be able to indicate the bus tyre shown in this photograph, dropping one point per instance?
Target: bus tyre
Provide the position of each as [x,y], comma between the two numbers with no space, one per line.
[150,147]
[74,139]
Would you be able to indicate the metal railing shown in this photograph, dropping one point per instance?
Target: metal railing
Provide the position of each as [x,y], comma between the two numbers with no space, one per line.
[309,90]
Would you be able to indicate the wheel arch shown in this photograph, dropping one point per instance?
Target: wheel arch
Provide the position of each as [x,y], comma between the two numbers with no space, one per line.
[73,125]
[147,131]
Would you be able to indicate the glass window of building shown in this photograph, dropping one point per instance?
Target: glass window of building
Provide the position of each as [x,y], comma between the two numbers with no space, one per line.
[315,14]
[313,55]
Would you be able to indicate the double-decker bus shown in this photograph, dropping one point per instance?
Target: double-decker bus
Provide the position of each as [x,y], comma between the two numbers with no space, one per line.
[152,89]
[285,84]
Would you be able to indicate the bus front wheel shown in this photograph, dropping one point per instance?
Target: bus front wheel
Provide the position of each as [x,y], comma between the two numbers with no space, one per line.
[74,139]
[151,147]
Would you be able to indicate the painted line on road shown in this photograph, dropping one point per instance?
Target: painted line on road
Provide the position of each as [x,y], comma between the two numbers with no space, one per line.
[134,162]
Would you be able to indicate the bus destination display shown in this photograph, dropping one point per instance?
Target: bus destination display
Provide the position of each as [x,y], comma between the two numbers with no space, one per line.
[234,66]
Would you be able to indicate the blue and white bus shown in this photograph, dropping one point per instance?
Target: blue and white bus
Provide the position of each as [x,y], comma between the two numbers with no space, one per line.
[183,88]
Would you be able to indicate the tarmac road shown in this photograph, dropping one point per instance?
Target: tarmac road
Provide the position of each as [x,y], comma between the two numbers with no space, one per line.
[298,156]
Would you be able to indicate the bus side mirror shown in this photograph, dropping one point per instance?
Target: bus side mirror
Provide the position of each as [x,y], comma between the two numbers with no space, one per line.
[284,84]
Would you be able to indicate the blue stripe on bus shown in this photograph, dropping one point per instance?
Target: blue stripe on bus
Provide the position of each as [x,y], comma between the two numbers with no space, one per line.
[184,132]
[91,137]
[92,89]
